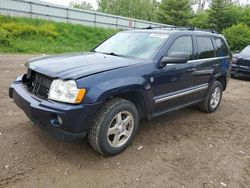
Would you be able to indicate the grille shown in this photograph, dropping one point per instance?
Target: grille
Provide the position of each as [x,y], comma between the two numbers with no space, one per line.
[39,84]
[243,62]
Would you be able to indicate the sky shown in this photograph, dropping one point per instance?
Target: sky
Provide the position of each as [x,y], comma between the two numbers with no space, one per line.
[67,2]
[94,2]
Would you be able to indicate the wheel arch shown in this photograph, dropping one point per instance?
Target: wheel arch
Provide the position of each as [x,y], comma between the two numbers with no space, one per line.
[135,97]
[136,94]
[222,79]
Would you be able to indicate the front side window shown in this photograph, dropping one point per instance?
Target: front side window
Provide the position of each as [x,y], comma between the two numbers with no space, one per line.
[133,44]
[205,47]
[221,48]
[182,47]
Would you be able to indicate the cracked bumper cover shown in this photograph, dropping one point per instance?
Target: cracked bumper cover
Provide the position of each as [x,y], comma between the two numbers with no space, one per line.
[76,119]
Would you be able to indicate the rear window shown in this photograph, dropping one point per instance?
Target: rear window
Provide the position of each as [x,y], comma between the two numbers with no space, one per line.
[221,48]
[205,47]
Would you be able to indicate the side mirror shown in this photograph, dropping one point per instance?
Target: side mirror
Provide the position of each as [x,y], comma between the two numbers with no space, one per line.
[237,51]
[173,60]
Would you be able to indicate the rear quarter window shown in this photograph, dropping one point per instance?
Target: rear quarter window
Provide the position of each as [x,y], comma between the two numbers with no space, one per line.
[221,49]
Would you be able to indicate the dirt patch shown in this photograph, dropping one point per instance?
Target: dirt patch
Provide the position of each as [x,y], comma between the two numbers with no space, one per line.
[188,148]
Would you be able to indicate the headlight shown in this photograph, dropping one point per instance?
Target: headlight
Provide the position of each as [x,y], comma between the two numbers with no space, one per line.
[66,91]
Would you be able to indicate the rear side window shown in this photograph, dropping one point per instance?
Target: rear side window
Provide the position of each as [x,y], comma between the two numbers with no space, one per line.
[221,48]
[182,46]
[205,47]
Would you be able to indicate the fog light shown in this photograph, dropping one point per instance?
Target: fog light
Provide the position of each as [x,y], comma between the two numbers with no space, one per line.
[56,120]
[59,119]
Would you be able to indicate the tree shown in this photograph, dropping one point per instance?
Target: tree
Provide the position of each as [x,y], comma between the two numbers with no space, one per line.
[82,5]
[217,14]
[139,9]
[200,20]
[237,14]
[175,12]
[238,36]
[245,18]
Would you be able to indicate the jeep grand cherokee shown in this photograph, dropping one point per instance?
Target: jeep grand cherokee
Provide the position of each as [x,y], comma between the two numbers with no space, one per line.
[132,75]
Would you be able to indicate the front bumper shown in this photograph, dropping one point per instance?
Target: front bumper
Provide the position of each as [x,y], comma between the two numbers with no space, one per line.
[240,71]
[75,119]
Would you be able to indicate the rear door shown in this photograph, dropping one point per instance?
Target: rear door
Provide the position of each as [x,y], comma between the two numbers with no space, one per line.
[205,60]
[210,59]
[224,55]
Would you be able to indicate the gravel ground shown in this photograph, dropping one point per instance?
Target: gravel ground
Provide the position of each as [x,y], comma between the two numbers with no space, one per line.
[188,148]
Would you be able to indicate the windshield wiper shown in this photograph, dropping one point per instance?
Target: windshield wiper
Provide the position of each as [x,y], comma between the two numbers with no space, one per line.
[110,53]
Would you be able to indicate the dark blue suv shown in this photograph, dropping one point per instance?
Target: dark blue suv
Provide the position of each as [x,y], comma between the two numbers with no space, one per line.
[132,75]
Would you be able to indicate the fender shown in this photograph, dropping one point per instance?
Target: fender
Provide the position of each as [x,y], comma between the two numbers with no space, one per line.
[102,91]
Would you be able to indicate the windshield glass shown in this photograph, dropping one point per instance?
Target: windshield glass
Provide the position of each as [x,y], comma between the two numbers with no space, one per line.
[133,44]
[246,50]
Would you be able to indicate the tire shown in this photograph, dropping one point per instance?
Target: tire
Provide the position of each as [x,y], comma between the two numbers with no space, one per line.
[211,106]
[114,127]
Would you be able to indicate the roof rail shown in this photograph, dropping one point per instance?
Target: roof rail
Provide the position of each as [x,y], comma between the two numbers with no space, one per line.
[189,28]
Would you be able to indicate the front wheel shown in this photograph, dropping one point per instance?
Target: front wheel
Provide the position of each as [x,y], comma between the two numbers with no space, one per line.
[213,98]
[114,127]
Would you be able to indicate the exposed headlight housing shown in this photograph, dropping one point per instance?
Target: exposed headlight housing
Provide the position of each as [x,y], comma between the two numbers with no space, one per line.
[66,91]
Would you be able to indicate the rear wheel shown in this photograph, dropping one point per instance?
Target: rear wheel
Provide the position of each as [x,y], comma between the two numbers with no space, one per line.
[213,98]
[114,127]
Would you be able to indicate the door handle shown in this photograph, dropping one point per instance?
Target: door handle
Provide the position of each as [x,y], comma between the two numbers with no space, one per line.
[191,70]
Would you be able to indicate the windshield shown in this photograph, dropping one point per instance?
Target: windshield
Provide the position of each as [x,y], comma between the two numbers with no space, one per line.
[246,50]
[133,44]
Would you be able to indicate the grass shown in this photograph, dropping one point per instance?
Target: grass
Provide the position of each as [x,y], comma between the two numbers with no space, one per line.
[23,35]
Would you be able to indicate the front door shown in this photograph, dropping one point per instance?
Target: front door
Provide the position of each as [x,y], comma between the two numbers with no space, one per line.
[175,85]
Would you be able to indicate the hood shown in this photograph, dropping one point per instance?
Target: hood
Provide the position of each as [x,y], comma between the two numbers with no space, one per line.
[242,56]
[73,66]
